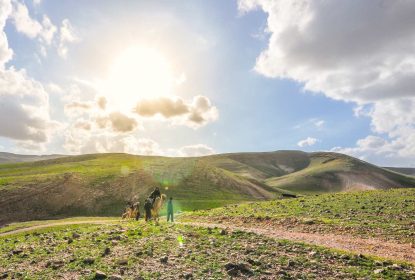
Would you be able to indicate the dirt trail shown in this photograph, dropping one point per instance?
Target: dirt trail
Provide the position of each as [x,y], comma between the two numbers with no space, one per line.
[94,222]
[366,246]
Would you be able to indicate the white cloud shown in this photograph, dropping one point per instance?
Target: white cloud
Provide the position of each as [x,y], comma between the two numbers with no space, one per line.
[23,22]
[83,141]
[32,28]
[196,113]
[5,52]
[67,35]
[313,123]
[354,51]
[195,150]
[349,50]
[309,141]
[24,102]
[24,107]
[48,31]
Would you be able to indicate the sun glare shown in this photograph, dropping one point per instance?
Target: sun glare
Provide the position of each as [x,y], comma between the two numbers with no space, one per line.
[138,73]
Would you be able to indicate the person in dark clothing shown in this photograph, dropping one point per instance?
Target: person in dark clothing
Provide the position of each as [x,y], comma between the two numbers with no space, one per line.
[156,193]
[136,207]
[147,207]
[170,210]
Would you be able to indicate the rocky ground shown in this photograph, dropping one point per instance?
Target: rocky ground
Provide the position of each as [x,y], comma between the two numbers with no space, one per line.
[135,250]
[386,215]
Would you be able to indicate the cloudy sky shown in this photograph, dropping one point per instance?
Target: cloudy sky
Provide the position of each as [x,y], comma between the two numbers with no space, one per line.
[184,78]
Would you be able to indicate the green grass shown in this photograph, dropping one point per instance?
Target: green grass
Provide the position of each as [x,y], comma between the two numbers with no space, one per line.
[136,249]
[101,184]
[388,214]
[22,225]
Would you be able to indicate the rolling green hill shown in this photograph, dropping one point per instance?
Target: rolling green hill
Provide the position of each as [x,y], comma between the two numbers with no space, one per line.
[101,184]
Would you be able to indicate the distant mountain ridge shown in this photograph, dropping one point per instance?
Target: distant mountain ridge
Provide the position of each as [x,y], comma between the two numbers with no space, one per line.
[404,170]
[11,158]
[101,184]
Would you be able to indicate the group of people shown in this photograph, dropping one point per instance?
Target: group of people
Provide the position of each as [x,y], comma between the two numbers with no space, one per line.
[149,204]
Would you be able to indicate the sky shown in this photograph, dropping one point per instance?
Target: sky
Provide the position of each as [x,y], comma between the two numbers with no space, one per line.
[190,78]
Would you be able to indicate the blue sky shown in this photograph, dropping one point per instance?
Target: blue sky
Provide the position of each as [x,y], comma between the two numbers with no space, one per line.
[242,76]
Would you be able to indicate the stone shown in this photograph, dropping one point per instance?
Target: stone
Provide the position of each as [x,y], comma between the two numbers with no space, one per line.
[99,275]
[164,259]
[89,261]
[75,235]
[188,276]
[122,262]
[233,269]
[106,252]
[378,271]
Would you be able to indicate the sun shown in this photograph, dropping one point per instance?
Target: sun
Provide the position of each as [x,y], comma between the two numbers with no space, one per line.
[138,73]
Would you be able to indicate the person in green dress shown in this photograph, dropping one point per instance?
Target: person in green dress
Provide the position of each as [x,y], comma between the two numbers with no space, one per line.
[170,210]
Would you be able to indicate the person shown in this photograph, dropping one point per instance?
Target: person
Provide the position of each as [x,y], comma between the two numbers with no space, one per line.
[170,210]
[147,207]
[136,207]
[156,193]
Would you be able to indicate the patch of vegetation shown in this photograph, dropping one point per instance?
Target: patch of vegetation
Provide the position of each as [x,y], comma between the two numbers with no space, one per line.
[102,184]
[131,250]
[388,214]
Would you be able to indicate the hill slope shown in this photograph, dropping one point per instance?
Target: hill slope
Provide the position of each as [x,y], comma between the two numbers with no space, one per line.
[318,172]
[10,157]
[404,170]
[101,184]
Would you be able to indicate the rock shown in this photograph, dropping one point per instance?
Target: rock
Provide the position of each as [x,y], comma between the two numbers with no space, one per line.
[57,264]
[290,263]
[75,235]
[378,271]
[309,222]
[89,261]
[312,253]
[100,275]
[138,253]
[164,259]
[253,262]
[115,277]
[17,251]
[122,262]
[396,266]
[233,269]
[106,252]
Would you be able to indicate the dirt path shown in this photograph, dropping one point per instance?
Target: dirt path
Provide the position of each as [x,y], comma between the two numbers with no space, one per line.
[94,222]
[367,246]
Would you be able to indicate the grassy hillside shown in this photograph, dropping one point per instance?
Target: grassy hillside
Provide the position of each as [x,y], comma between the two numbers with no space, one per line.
[333,172]
[403,170]
[143,251]
[386,214]
[101,184]
[10,157]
